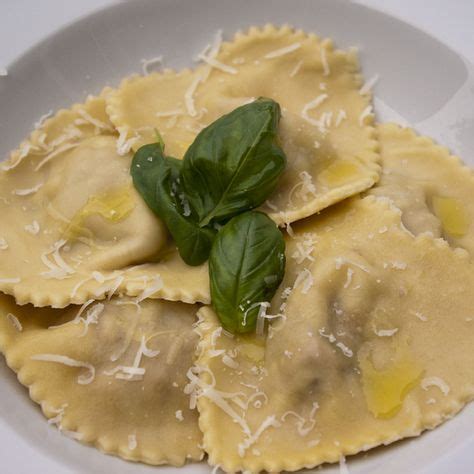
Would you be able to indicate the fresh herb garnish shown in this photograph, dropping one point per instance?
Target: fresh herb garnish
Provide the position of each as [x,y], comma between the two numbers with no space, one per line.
[157,179]
[246,266]
[232,166]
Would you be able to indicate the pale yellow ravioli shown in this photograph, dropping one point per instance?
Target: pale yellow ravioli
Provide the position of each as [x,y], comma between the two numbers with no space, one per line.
[433,188]
[111,374]
[74,225]
[326,128]
[370,341]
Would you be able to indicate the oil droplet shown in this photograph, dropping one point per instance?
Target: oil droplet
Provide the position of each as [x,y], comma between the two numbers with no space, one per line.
[452,215]
[114,205]
[385,390]
[339,172]
[252,348]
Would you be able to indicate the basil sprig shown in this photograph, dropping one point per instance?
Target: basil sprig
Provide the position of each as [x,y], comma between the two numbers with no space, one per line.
[156,178]
[232,166]
[246,266]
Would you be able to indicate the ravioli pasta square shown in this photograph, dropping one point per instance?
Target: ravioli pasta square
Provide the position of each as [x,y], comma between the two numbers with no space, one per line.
[432,188]
[76,225]
[326,129]
[110,374]
[348,361]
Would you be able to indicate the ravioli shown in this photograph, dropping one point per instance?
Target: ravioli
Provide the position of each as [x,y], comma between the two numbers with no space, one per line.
[110,374]
[432,188]
[326,128]
[352,357]
[76,224]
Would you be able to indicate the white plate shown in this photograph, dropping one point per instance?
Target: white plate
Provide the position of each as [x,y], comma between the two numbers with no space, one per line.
[423,83]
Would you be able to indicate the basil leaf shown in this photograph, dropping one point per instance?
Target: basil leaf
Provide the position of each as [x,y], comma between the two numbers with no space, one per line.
[234,164]
[246,266]
[156,178]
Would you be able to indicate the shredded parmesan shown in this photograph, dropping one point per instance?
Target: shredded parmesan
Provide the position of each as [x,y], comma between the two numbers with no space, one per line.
[58,268]
[367,87]
[386,332]
[62,359]
[343,469]
[324,61]
[350,272]
[365,113]
[313,104]
[179,415]
[3,244]
[132,441]
[124,144]
[301,421]
[170,113]
[15,322]
[213,62]
[151,289]
[341,115]
[40,122]
[147,64]
[10,280]
[282,51]
[305,280]
[438,382]
[54,154]
[33,228]
[27,191]
[296,69]
[303,188]
[189,96]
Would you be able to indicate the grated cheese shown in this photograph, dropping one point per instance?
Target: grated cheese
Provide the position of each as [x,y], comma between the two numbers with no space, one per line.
[213,62]
[132,441]
[32,228]
[305,280]
[341,115]
[3,244]
[367,87]
[40,122]
[179,415]
[147,64]
[365,113]
[10,280]
[324,61]
[385,332]
[343,469]
[54,154]
[27,191]
[419,315]
[150,290]
[170,113]
[438,382]
[15,322]
[340,261]
[58,268]
[62,359]
[303,188]
[304,249]
[189,96]
[296,69]
[282,51]
[301,421]
[311,105]
[124,144]
[350,272]
[93,121]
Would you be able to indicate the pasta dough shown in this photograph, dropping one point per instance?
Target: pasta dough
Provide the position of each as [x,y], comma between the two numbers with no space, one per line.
[76,223]
[432,188]
[112,376]
[348,364]
[326,127]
